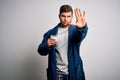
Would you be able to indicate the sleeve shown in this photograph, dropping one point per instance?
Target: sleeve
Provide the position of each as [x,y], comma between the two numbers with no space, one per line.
[43,49]
[80,33]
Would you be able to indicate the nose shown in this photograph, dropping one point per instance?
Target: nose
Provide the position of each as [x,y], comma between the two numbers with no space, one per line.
[65,18]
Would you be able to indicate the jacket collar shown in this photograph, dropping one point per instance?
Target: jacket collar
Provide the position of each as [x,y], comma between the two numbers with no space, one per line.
[55,29]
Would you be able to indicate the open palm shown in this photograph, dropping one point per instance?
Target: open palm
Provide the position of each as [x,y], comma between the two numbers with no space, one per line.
[80,18]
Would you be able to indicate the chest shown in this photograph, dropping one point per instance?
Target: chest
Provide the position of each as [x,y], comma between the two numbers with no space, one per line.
[62,37]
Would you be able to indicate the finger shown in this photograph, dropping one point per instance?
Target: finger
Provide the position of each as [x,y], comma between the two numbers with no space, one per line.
[50,40]
[53,41]
[48,43]
[76,13]
[84,14]
[84,17]
[79,12]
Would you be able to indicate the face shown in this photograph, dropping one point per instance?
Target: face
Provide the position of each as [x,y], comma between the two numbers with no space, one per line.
[65,18]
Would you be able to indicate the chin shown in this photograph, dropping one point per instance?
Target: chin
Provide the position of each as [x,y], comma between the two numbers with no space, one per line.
[65,25]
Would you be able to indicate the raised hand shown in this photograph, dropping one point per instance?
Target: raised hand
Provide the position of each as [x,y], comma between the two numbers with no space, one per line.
[80,18]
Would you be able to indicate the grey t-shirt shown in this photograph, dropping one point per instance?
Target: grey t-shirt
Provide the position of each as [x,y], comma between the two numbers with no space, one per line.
[62,49]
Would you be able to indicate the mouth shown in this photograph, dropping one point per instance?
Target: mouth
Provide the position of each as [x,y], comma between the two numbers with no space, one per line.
[65,23]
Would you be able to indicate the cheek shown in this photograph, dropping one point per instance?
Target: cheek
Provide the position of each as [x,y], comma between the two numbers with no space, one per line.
[62,19]
[70,19]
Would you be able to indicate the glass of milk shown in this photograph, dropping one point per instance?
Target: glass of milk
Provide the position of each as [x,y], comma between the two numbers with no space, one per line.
[54,37]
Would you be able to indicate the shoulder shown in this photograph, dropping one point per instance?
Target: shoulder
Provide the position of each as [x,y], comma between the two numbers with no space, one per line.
[52,30]
[72,28]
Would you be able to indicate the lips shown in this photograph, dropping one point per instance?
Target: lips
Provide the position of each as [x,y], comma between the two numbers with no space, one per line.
[65,22]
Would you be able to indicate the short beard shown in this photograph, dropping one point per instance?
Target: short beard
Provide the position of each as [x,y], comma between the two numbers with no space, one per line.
[64,26]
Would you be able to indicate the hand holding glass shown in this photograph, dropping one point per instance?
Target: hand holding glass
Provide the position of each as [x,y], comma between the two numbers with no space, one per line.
[52,40]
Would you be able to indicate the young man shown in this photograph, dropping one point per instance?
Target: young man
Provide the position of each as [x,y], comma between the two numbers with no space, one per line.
[62,43]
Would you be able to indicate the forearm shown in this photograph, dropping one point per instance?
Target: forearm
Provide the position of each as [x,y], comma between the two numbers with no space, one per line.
[43,49]
[81,33]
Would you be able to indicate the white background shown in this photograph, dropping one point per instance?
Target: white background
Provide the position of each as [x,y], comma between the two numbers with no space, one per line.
[23,23]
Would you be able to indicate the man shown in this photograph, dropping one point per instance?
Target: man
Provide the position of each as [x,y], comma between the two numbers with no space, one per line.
[62,43]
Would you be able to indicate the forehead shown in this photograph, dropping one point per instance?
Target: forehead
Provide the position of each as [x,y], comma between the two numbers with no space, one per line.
[66,13]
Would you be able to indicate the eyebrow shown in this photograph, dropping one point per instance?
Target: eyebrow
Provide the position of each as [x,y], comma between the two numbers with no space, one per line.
[67,16]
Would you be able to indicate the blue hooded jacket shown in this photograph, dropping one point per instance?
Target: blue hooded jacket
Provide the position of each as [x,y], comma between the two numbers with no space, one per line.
[75,65]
